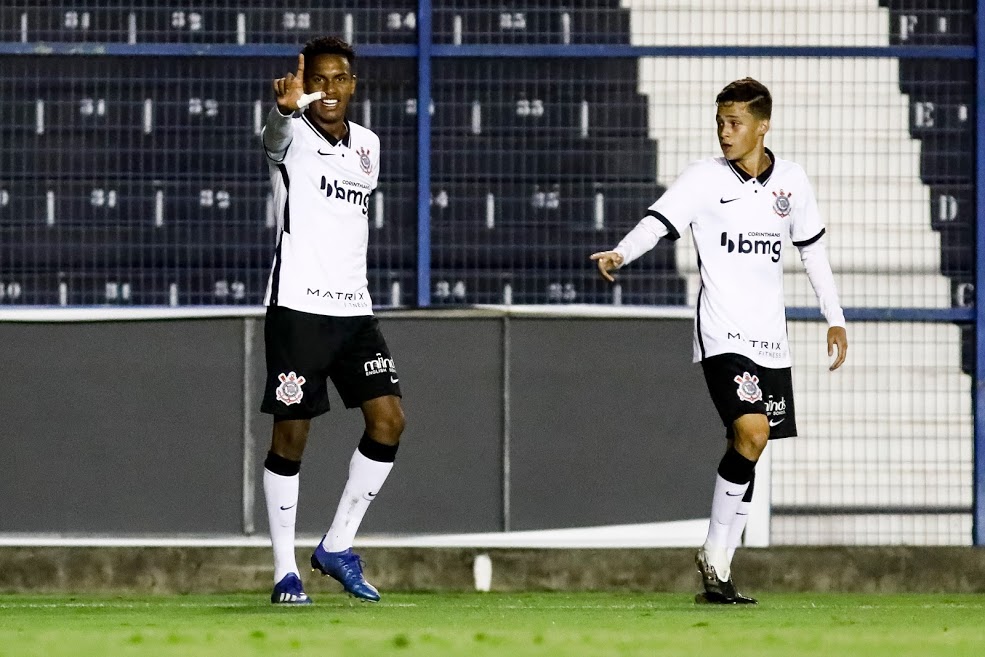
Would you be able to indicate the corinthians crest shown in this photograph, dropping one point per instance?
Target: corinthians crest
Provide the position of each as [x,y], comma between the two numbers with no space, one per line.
[749,390]
[289,391]
[781,205]
[365,163]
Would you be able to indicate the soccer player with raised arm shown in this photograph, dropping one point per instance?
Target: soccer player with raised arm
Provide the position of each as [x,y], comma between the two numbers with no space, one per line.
[741,208]
[320,321]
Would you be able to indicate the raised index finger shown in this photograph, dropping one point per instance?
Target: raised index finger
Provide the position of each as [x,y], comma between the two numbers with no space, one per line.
[300,72]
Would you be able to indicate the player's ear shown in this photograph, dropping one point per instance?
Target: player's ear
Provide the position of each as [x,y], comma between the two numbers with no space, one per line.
[763,128]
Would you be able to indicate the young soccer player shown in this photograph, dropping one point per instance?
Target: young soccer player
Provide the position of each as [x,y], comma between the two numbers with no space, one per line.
[741,208]
[320,321]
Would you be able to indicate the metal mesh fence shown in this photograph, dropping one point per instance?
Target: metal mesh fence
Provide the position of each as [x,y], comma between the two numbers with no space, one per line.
[139,180]
[887,437]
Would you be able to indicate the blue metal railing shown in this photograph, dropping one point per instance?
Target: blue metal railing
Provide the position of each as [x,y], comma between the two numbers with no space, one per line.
[978,402]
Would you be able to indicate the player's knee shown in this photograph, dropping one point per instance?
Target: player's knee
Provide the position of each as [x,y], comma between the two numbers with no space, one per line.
[751,443]
[387,427]
[751,435]
[290,438]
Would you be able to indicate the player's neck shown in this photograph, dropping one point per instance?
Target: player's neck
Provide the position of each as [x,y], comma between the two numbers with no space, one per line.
[755,162]
[337,130]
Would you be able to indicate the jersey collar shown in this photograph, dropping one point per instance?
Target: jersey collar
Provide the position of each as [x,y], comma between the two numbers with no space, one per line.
[327,137]
[762,178]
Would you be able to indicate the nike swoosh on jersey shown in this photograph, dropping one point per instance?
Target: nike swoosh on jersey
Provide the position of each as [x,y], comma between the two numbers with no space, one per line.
[723,201]
[773,424]
[731,495]
[320,153]
[287,508]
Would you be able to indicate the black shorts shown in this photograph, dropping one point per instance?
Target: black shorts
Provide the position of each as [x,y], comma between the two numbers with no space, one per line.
[304,350]
[738,386]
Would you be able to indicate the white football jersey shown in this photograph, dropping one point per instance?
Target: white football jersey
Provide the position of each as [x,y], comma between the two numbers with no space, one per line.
[739,225]
[321,196]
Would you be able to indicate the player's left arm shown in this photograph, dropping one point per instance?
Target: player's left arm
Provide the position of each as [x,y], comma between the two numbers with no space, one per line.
[807,234]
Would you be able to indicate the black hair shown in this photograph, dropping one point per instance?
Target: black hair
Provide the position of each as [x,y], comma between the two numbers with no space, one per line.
[749,91]
[329,45]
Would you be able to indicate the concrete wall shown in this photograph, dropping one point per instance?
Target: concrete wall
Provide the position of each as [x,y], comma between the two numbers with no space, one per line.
[151,427]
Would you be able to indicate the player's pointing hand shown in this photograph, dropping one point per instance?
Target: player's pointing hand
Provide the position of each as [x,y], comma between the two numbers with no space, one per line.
[290,91]
[837,339]
[607,261]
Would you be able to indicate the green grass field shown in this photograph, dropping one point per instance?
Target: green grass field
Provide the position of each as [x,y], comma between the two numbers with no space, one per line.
[493,624]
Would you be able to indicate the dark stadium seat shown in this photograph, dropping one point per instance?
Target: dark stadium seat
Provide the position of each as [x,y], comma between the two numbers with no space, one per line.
[952,204]
[958,250]
[105,201]
[952,77]
[518,110]
[947,159]
[599,75]
[22,203]
[30,288]
[930,22]
[215,200]
[537,286]
[933,115]
[580,206]
[156,158]
[529,22]
[550,246]
[71,22]
[538,158]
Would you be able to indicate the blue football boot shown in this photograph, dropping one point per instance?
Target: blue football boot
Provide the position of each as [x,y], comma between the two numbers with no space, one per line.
[289,591]
[346,568]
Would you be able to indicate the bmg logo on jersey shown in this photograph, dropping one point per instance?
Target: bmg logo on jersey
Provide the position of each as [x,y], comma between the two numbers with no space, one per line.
[379,365]
[770,246]
[344,192]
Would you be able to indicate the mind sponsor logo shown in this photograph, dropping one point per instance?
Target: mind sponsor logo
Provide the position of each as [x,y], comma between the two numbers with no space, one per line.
[776,406]
[379,365]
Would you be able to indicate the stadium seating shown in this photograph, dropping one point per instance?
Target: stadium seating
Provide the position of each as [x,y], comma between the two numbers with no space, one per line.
[116,166]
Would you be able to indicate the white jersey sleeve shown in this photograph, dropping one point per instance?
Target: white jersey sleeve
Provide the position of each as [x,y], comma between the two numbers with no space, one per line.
[806,226]
[375,158]
[669,216]
[277,134]
[815,259]
[682,201]
[806,231]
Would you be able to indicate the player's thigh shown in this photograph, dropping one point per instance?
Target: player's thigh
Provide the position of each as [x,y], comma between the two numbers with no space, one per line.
[298,349]
[364,368]
[734,386]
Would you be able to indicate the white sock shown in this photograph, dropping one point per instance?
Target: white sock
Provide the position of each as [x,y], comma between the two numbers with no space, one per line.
[366,477]
[282,510]
[736,528]
[724,505]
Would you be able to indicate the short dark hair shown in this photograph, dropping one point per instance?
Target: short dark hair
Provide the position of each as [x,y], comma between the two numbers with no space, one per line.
[749,91]
[329,45]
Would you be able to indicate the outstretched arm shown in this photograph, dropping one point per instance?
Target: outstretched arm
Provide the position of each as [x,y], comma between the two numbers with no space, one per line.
[815,259]
[638,241]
